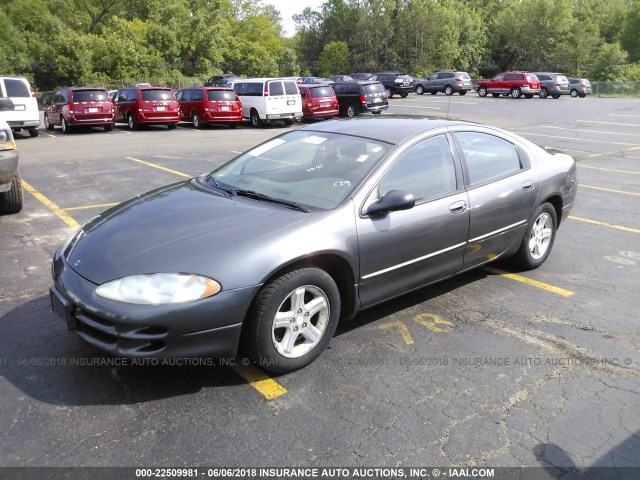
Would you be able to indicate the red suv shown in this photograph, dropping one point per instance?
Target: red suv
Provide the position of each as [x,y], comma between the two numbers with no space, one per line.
[71,107]
[202,105]
[318,101]
[138,106]
[516,84]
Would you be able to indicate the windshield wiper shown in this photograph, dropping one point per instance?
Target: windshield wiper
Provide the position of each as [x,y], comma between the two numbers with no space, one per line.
[261,196]
[226,189]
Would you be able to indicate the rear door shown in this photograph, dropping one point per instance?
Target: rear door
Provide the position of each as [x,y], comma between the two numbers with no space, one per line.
[24,101]
[374,94]
[292,97]
[91,104]
[323,99]
[157,102]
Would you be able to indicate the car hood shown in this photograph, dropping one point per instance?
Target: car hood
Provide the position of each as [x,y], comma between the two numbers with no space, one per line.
[176,229]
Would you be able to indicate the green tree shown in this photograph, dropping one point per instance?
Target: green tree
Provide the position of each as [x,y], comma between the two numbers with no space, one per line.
[608,63]
[333,59]
[630,34]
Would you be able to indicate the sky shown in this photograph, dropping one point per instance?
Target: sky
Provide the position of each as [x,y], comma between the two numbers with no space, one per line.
[288,8]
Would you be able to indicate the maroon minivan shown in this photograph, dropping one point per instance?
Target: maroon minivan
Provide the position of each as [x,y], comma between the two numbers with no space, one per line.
[137,106]
[79,106]
[203,105]
[318,101]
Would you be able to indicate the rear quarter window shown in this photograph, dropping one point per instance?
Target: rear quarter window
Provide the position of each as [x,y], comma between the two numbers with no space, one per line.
[373,88]
[16,88]
[275,88]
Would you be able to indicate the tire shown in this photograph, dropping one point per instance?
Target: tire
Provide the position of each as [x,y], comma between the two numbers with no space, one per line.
[482,91]
[404,95]
[47,123]
[233,125]
[131,123]
[544,93]
[495,95]
[433,92]
[289,121]
[66,128]
[377,112]
[574,93]
[195,118]
[555,97]
[255,120]
[448,90]
[34,132]
[350,111]
[515,92]
[420,90]
[11,201]
[172,126]
[462,92]
[108,128]
[528,95]
[538,238]
[582,95]
[292,320]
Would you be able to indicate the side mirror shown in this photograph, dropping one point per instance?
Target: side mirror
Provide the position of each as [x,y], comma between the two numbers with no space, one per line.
[6,105]
[391,201]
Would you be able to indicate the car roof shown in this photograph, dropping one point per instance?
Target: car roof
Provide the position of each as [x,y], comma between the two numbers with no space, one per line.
[393,130]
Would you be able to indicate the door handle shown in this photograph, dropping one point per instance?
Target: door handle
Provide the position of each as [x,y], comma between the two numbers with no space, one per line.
[458,207]
[528,185]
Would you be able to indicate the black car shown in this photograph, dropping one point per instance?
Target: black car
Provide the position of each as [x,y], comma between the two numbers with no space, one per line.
[220,80]
[340,78]
[359,97]
[396,83]
[363,76]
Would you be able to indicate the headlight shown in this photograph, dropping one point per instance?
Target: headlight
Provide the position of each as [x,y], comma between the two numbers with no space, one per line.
[159,288]
[6,140]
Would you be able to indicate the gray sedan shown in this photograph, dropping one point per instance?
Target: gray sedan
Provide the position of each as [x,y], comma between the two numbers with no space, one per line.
[270,251]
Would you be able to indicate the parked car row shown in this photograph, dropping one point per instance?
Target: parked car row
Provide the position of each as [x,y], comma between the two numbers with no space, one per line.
[527,84]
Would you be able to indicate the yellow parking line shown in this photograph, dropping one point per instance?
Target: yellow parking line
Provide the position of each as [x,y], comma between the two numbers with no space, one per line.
[50,205]
[266,385]
[610,123]
[51,136]
[528,281]
[235,151]
[159,167]
[86,207]
[582,185]
[609,169]
[604,224]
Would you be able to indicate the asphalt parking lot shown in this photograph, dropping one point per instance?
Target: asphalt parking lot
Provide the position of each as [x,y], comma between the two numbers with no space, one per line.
[493,368]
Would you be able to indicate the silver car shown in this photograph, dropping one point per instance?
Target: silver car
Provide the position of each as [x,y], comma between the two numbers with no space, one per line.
[270,251]
[552,84]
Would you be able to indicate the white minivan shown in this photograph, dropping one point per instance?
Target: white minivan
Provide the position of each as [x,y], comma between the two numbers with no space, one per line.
[268,99]
[25,114]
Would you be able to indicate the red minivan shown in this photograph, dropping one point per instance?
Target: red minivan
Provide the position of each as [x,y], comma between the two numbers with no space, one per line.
[202,105]
[318,101]
[71,107]
[138,106]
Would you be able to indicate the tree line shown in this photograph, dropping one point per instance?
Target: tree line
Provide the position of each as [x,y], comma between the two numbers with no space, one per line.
[89,42]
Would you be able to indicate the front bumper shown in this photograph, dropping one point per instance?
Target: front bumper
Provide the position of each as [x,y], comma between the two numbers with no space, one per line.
[209,327]
[8,167]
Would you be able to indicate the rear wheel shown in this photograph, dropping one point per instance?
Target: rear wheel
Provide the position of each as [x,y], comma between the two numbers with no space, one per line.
[289,121]
[34,132]
[538,239]
[404,95]
[377,112]
[462,92]
[420,90]
[528,95]
[172,126]
[66,128]
[233,125]
[11,201]
[433,92]
[555,97]
[544,93]
[292,320]
[256,122]
[448,90]
[108,128]
[131,122]
[482,91]
[495,95]
[516,93]
[195,118]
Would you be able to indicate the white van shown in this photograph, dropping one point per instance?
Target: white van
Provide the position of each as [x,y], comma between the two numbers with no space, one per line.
[25,114]
[268,99]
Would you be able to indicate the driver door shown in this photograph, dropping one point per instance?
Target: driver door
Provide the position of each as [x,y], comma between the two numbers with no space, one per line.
[403,250]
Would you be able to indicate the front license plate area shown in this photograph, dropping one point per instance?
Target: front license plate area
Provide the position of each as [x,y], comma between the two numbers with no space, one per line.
[63,307]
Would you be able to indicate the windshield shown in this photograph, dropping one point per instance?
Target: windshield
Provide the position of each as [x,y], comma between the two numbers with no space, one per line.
[315,169]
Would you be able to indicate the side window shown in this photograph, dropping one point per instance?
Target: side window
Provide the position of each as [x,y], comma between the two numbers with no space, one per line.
[290,88]
[196,95]
[179,95]
[426,170]
[488,157]
[275,88]
[509,76]
[16,88]
[519,76]
[498,78]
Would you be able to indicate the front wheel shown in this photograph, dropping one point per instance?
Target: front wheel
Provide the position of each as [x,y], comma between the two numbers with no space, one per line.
[420,90]
[538,239]
[131,123]
[482,91]
[47,123]
[11,201]
[574,93]
[292,320]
